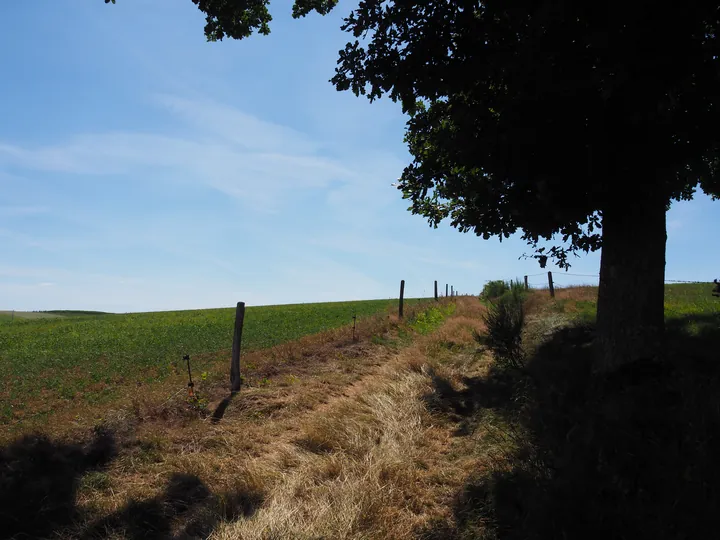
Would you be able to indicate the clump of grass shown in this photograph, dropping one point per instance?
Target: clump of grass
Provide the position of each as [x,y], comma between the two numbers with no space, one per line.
[96,481]
[505,321]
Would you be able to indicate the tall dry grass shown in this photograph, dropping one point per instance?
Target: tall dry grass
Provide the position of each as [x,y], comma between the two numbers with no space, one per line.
[368,465]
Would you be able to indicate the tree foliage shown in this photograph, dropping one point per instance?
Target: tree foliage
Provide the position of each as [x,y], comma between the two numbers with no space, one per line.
[537,116]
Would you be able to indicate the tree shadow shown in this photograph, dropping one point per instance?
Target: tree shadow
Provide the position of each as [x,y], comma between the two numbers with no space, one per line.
[630,455]
[466,406]
[39,481]
[185,510]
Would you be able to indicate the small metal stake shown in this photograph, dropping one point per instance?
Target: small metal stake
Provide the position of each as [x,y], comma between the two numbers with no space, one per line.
[191,385]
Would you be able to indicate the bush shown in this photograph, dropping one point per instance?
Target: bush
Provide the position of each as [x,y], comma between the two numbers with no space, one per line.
[505,320]
[497,288]
[494,289]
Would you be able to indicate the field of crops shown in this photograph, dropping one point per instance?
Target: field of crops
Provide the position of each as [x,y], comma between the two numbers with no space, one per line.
[86,357]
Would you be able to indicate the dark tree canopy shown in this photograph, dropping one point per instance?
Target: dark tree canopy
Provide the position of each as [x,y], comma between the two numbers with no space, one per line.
[539,115]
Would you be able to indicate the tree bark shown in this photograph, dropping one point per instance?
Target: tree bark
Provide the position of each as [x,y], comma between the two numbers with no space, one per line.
[630,314]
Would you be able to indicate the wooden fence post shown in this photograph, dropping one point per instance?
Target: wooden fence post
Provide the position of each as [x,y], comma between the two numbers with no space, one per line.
[436,290]
[550,283]
[526,283]
[402,293]
[237,339]
[452,291]
[446,290]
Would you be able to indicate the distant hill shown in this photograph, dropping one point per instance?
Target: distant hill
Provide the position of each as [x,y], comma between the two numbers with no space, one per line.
[8,315]
[75,313]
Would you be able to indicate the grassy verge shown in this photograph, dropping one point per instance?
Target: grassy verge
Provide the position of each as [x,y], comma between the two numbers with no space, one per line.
[630,455]
[681,300]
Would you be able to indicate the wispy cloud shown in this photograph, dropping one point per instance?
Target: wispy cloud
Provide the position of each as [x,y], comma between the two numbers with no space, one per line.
[255,161]
[239,128]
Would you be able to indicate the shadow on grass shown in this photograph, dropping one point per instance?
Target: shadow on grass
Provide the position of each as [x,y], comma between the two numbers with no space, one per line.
[219,411]
[631,455]
[40,479]
[185,510]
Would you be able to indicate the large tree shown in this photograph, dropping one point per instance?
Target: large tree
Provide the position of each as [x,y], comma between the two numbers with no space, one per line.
[574,123]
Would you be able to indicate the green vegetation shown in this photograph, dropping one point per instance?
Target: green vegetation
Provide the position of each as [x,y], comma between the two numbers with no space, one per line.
[495,289]
[685,299]
[75,313]
[428,320]
[89,357]
[505,321]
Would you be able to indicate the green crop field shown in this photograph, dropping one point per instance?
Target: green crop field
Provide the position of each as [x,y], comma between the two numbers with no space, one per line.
[81,356]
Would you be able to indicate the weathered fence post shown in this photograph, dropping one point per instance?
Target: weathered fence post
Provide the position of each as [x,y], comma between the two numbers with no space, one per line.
[526,283]
[436,297]
[446,290]
[551,285]
[237,338]
[402,293]
[452,291]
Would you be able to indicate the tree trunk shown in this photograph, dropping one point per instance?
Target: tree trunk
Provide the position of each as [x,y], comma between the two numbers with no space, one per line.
[630,314]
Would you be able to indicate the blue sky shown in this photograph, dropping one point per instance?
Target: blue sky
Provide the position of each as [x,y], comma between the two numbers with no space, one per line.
[142,168]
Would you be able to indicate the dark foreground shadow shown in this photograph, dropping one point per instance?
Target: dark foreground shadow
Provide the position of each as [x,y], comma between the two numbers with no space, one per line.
[632,455]
[185,510]
[40,479]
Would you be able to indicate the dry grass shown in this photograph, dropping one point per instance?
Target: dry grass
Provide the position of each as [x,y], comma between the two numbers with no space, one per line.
[587,293]
[369,465]
[332,438]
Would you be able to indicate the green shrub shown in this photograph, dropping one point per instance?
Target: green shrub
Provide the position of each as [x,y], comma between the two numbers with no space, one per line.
[428,320]
[505,320]
[494,289]
[497,288]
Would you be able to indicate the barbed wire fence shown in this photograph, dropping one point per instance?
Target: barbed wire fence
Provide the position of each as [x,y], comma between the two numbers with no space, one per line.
[554,280]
